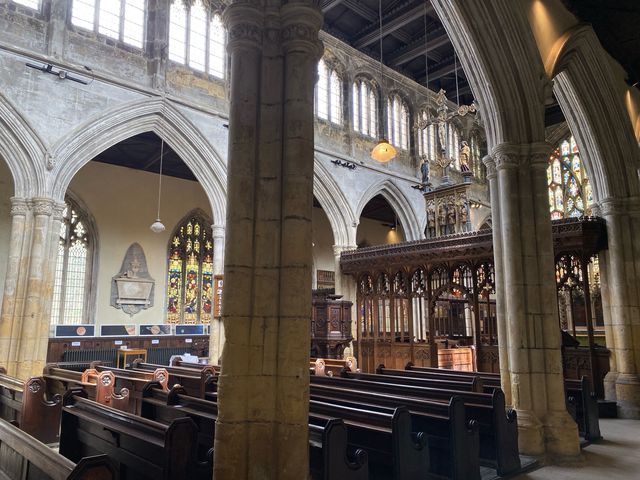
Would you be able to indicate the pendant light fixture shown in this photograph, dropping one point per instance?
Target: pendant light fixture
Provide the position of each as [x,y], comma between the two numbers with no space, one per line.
[383,151]
[158,226]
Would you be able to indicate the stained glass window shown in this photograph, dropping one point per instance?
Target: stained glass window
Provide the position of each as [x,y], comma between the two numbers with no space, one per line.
[190,273]
[398,122]
[123,20]
[73,268]
[197,37]
[570,193]
[365,108]
[427,139]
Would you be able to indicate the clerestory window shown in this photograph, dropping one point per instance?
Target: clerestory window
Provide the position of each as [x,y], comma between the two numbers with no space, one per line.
[328,94]
[365,108]
[122,20]
[398,122]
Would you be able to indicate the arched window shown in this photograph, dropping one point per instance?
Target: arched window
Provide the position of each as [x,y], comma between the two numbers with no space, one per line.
[453,145]
[190,272]
[570,192]
[34,4]
[398,122]
[123,20]
[328,94]
[365,108]
[74,268]
[197,38]
[427,142]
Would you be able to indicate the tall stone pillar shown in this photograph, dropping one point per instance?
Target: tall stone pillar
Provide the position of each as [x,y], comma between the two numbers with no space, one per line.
[524,256]
[26,306]
[216,333]
[263,391]
[342,281]
[501,318]
[621,302]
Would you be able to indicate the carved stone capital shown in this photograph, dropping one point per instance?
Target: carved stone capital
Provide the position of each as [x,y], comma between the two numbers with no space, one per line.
[338,249]
[506,156]
[539,155]
[612,206]
[19,206]
[244,23]
[300,26]
[58,210]
[490,164]
[42,206]
[217,231]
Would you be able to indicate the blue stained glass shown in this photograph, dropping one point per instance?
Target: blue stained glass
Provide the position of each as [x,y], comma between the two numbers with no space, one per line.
[573,187]
[565,149]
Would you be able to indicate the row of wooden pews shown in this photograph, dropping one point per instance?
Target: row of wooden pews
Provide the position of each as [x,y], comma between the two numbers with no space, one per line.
[580,399]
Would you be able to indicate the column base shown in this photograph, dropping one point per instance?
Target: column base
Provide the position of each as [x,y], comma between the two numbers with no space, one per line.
[561,436]
[530,434]
[610,386]
[628,395]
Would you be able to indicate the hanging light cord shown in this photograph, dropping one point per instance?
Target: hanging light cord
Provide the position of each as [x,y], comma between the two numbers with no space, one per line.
[426,60]
[380,18]
[160,178]
[455,64]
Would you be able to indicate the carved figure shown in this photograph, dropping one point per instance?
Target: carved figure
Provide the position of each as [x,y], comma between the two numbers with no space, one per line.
[465,157]
[463,214]
[424,172]
[451,216]
[431,215]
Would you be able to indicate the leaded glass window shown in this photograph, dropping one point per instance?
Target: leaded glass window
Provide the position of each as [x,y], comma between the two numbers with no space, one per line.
[570,193]
[427,142]
[34,4]
[197,37]
[190,273]
[328,94]
[365,108]
[73,271]
[123,20]
[398,122]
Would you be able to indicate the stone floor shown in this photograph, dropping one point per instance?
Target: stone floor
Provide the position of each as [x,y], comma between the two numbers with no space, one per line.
[615,457]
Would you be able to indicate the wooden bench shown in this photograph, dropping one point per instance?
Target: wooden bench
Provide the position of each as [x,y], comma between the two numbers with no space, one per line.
[99,386]
[196,380]
[141,449]
[497,426]
[22,457]
[135,382]
[329,455]
[581,403]
[24,404]
[463,385]
[453,440]
[387,436]
[476,383]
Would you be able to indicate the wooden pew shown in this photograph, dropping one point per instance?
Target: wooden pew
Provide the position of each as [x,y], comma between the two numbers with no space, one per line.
[498,427]
[329,457]
[475,381]
[396,451]
[463,385]
[99,386]
[23,403]
[581,402]
[453,440]
[196,380]
[141,449]
[135,382]
[583,407]
[25,458]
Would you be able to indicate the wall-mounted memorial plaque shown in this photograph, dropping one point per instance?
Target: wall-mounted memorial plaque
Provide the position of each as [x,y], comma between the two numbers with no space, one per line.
[132,288]
[189,329]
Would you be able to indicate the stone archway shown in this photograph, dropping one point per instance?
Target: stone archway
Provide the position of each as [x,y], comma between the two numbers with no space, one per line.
[81,145]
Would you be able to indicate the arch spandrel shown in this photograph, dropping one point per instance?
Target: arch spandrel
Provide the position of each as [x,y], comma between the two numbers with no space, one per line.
[157,115]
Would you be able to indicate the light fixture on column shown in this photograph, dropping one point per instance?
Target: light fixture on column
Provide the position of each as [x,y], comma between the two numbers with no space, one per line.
[383,151]
[158,226]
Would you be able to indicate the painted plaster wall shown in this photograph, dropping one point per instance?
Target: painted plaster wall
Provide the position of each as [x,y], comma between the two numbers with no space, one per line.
[123,204]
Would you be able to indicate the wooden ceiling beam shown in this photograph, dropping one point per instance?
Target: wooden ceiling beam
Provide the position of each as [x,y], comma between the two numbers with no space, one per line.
[371,16]
[416,49]
[392,24]
[329,4]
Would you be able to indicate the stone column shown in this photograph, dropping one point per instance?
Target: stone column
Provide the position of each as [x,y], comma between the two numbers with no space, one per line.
[501,318]
[263,391]
[216,334]
[621,301]
[530,303]
[24,328]
[341,286]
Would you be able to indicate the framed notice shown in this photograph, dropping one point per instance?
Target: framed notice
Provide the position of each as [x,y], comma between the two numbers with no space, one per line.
[118,330]
[75,330]
[217,295]
[159,329]
[190,329]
